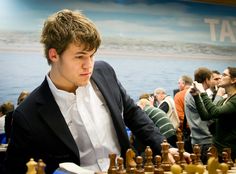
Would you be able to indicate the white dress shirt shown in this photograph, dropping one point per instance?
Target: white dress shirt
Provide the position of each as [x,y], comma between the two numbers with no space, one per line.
[209,93]
[90,123]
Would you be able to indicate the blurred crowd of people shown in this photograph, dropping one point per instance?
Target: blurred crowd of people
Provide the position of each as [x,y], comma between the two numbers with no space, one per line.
[203,108]
[188,110]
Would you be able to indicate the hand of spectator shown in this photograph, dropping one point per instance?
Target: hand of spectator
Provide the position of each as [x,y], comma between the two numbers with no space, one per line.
[199,87]
[193,90]
[151,99]
[221,91]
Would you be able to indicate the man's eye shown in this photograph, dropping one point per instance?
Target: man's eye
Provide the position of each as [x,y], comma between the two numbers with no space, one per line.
[78,57]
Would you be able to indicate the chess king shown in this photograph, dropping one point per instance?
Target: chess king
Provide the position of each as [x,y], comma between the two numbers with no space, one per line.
[80,111]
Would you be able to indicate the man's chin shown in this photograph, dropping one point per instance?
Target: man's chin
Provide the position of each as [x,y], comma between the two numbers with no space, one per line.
[84,83]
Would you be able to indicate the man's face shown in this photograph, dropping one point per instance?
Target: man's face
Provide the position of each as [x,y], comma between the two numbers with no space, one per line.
[72,68]
[181,84]
[215,80]
[160,96]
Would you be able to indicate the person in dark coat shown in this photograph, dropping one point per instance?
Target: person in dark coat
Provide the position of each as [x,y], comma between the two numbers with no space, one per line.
[80,111]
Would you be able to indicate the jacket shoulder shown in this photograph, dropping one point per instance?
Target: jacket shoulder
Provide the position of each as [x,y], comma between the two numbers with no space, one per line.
[103,65]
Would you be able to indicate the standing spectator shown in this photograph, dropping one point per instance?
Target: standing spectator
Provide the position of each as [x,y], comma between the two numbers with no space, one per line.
[184,84]
[211,92]
[215,80]
[200,133]
[224,111]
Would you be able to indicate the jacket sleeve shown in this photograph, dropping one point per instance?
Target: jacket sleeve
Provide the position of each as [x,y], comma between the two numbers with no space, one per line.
[18,151]
[208,110]
[140,124]
[122,105]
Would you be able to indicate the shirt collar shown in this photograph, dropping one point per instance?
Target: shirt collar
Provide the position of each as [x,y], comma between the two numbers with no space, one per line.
[59,94]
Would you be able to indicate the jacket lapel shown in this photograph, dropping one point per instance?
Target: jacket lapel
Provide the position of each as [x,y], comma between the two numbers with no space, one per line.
[53,117]
[107,94]
[119,125]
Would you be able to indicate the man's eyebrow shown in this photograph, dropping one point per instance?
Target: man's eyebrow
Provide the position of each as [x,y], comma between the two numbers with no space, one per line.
[80,52]
[84,52]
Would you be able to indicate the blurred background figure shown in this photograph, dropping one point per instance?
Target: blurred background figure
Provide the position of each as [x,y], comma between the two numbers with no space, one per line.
[160,119]
[215,80]
[8,117]
[167,104]
[200,133]
[212,92]
[184,84]
[6,107]
[223,112]
[22,97]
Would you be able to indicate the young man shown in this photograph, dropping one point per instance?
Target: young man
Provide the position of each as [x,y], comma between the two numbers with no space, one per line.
[200,133]
[80,111]
[215,80]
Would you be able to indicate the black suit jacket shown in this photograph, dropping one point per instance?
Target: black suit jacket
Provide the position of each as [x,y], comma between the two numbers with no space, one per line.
[40,131]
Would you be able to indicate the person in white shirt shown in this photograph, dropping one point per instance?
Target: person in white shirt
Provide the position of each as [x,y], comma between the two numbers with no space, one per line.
[80,111]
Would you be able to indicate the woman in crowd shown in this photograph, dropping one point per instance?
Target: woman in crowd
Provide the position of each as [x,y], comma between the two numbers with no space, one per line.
[224,111]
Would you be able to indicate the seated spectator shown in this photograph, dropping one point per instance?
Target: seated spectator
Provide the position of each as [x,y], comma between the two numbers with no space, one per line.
[22,97]
[1,115]
[167,104]
[145,95]
[5,108]
[8,117]
[160,119]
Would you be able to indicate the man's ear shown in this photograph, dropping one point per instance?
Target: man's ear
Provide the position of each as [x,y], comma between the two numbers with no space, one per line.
[53,56]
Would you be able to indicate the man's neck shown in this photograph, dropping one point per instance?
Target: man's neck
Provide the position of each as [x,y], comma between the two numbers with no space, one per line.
[205,86]
[186,87]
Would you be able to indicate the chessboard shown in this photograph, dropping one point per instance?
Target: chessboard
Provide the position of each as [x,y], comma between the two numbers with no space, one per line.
[159,164]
